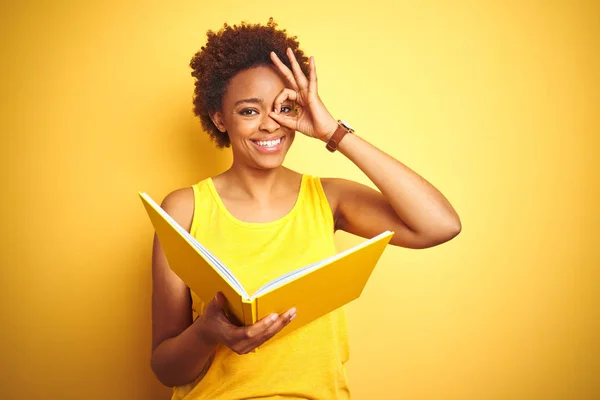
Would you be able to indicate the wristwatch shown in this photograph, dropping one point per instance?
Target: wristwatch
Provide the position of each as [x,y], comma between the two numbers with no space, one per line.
[341,131]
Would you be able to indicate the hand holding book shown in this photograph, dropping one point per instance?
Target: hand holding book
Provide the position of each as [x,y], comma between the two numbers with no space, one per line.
[216,328]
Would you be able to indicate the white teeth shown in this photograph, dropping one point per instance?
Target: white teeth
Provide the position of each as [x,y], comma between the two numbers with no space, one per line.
[268,143]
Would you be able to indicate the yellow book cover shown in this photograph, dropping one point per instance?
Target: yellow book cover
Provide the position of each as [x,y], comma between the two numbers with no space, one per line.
[337,280]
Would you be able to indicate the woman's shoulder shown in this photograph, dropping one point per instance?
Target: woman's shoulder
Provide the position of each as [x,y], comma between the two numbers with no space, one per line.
[339,190]
[338,186]
[179,204]
[331,186]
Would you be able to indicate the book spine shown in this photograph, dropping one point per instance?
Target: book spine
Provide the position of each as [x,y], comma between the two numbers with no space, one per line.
[249,310]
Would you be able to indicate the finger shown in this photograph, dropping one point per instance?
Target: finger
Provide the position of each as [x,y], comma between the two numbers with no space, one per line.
[243,340]
[260,332]
[286,121]
[253,331]
[286,94]
[257,338]
[285,71]
[277,326]
[312,78]
[298,74]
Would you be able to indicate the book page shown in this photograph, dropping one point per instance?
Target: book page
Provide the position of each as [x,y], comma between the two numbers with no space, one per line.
[290,276]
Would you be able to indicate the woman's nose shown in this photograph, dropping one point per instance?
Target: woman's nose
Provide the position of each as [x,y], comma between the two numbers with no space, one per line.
[269,124]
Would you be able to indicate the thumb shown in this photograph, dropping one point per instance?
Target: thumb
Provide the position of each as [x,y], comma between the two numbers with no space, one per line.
[219,301]
[218,308]
[217,304]
[284,120]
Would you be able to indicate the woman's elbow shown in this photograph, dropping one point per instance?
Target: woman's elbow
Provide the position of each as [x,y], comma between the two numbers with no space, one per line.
[165,375]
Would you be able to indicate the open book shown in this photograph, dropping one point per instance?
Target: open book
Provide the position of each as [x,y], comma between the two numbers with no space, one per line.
[314,290]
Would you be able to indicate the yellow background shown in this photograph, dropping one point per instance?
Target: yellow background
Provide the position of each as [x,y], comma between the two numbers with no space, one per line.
[496,103]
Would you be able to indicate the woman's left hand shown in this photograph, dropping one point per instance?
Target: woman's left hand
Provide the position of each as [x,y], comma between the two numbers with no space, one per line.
[312,118]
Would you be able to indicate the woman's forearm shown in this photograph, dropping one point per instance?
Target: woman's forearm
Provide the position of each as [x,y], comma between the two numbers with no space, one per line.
[417,202]
[181,359]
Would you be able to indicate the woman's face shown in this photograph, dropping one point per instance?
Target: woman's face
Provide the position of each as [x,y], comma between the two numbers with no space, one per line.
[257,140]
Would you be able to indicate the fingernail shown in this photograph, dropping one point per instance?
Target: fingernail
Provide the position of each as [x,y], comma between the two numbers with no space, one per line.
[274,317]
[292,317]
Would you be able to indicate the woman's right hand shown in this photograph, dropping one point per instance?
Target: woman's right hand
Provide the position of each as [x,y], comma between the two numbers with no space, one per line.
[214,327]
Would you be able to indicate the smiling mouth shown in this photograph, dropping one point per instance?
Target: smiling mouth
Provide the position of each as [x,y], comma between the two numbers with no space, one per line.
[268,144]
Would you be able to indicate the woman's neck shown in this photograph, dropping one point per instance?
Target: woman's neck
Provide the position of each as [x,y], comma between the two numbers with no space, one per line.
[257,184]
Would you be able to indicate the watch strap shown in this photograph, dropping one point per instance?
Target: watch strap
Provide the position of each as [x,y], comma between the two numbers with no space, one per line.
[337,136]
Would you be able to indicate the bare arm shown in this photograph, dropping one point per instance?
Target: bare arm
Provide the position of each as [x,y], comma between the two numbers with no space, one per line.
[180,352]
[408,205]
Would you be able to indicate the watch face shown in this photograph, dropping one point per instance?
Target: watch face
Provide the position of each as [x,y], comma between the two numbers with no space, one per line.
[346,125]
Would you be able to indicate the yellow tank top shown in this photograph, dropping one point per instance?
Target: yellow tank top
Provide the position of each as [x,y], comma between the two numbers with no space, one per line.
[308,363]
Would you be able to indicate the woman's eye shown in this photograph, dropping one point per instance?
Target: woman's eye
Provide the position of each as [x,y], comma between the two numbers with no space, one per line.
[286,109]
[248,112]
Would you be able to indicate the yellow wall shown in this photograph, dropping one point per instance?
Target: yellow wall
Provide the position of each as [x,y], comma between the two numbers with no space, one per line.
[496,104]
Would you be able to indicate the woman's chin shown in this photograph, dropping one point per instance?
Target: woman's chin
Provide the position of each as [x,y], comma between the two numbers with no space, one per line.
[270,162]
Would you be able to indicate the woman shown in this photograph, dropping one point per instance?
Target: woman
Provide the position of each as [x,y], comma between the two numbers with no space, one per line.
[254,90]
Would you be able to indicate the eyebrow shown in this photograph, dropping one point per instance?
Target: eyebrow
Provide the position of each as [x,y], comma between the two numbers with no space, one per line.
[250,100]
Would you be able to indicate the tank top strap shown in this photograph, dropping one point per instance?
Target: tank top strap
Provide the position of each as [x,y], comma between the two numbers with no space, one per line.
[202,199]
[314,201]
